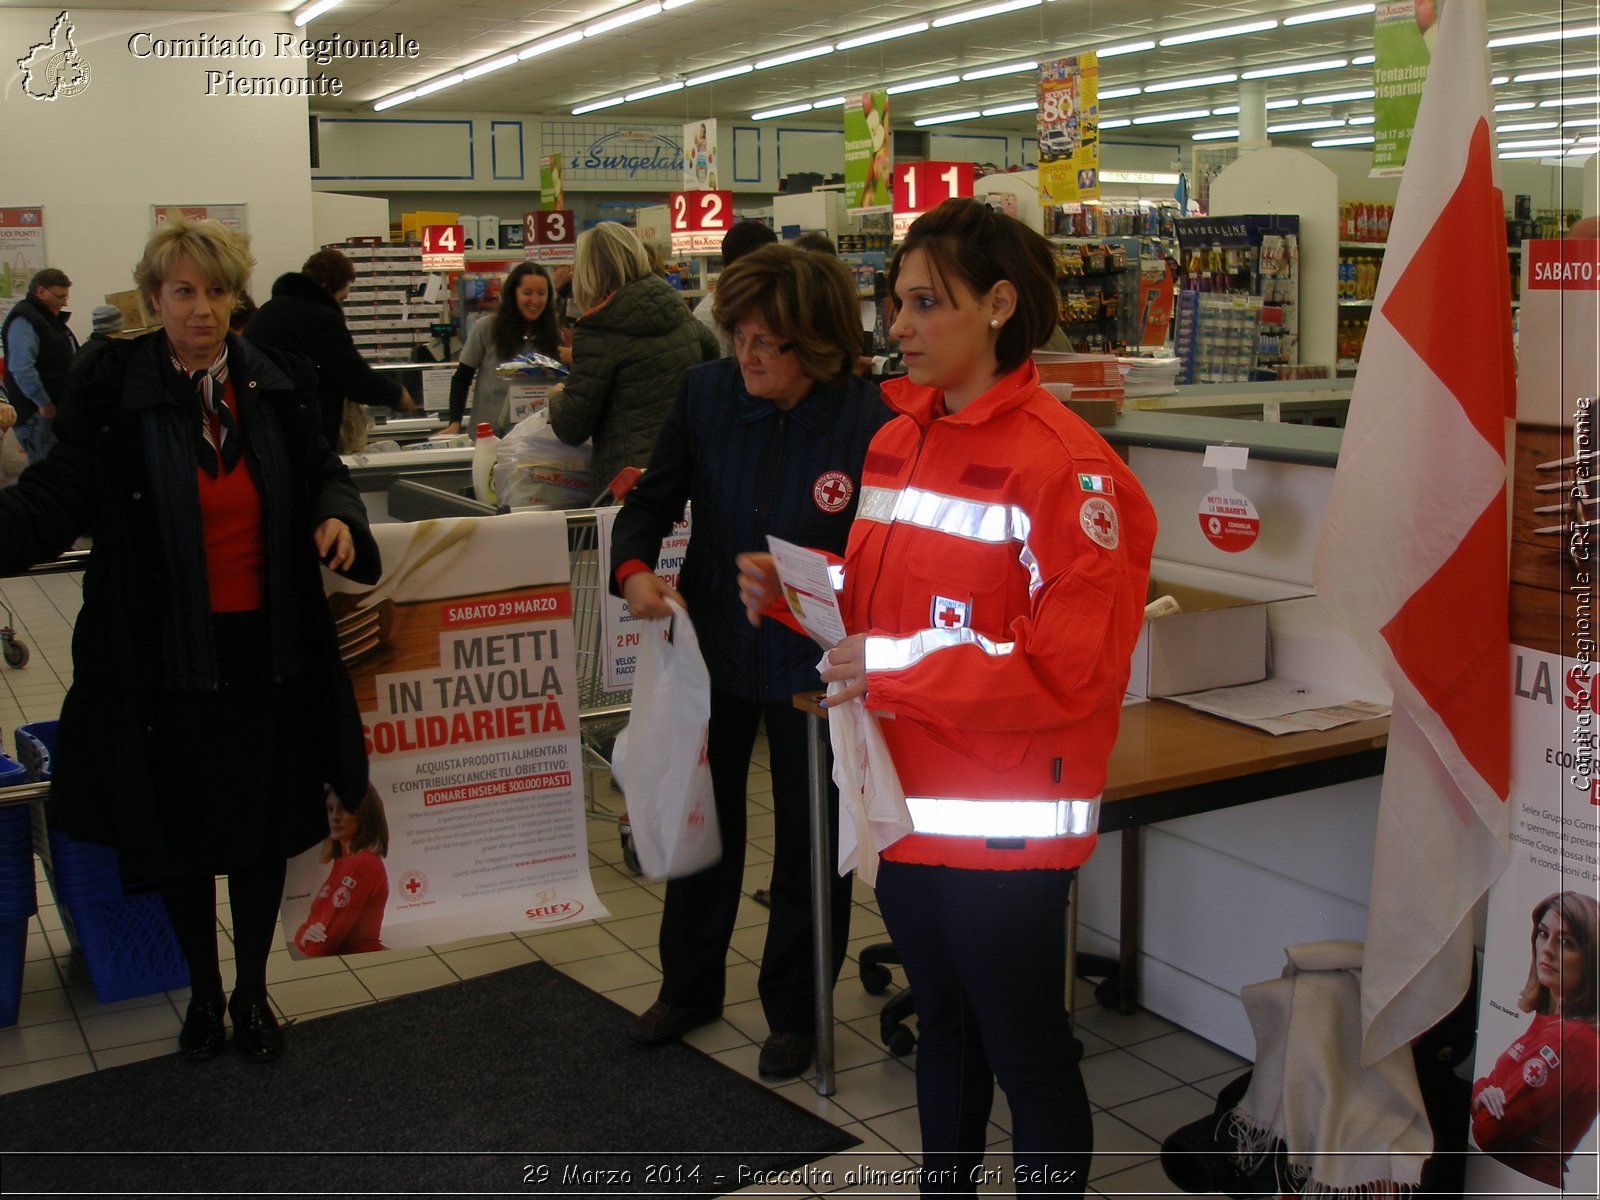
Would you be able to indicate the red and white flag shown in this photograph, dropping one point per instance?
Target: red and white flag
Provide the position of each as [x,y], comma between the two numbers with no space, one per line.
[1412,555]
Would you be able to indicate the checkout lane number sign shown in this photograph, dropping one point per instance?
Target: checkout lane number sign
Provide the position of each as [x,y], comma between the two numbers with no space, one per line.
[699,221]
[443,248]
[920,186]
[550,236]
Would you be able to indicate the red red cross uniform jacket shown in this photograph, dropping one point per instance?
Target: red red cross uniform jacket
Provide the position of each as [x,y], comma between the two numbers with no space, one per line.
[1549,1076]
[998,560]
[350,907]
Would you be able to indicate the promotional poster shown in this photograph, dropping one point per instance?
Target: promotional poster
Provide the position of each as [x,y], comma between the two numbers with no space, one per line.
[1401,39]
[462,657]
[700,156]
[1069,129]
[868,153]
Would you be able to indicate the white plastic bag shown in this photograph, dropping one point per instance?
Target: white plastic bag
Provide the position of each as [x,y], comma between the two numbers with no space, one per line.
[872,804]
[660,758]
[534,466]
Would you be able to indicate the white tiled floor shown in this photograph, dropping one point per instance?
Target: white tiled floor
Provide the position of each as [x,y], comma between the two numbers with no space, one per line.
[1145,1076]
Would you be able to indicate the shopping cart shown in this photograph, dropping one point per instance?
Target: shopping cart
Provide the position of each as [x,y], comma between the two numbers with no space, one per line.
[12,648]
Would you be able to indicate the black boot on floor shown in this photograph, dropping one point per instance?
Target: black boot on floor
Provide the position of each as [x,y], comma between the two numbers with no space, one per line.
[202,1035]
[256,1035]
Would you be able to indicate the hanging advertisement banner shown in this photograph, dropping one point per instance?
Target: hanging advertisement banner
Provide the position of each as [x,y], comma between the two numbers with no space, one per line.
[552,196]
[868,153]
[1068,125]
[231,215]
[1536,1074]
[700,156]
[21,253]
[619,629]
[1402,33]
[462,658]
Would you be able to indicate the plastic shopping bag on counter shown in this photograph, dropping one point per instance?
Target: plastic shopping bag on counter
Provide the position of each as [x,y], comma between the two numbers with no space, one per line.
[660,758]
[535,467]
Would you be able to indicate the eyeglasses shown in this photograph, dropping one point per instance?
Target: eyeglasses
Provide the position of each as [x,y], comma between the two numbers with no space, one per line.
[759,346]
[60,294]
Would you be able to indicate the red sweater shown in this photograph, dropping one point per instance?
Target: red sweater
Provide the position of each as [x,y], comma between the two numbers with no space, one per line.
[1550,1076]
[350,907]
[230,514]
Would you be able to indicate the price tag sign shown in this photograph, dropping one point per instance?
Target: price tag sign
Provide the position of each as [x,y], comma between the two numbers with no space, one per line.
[919,186]
[699,221]
[550,236]
[443,248]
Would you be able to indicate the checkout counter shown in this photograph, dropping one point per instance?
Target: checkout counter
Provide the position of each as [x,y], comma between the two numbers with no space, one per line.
[1243,843]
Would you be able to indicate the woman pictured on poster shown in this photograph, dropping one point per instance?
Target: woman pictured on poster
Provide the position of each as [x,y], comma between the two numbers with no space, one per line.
[346,914]
[524,321]
[1531,1111]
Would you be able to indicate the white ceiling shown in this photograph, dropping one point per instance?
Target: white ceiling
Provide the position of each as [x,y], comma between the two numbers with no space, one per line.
[708,34]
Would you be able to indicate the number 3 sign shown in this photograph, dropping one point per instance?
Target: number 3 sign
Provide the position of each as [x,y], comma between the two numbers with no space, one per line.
[550,236]
[699,221]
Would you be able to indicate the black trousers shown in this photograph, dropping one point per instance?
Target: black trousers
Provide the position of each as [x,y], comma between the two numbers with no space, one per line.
[698,917]
[985,956]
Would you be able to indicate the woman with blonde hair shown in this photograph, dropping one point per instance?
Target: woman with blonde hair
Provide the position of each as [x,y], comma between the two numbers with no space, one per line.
[631,347]
[209,707]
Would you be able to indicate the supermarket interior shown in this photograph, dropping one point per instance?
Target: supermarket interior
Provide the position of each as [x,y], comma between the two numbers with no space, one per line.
[1220,185]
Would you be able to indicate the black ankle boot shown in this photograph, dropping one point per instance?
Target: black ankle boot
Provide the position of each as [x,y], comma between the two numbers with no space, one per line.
[255,1030]
[202,1035]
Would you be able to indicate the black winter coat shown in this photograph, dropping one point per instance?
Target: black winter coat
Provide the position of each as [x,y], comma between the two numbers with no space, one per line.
[628,357]
[749,470]
[123,471]
[304,319]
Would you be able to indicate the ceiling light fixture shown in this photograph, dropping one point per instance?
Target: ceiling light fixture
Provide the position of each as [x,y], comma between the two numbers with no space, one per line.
[1527,127]
[549,44]
[1524,154]
[391,101]
[1193,114]
[1553,34]
[1325,143]
[660,89]
[1115,123]
[719,73]
[947,118]
[1213,135]
[884,35]
[1227,110]
[1514,106]
[1338,97]
[988,10]
[1330,14]
[1364,119]
[312,11]
[1001,110]
[1121,93]
[1500,81]
[438,85]
[1221,31]
[794,56]
[1167,177]
[669,5]
[1173,85]
[1302,68]
[1578,122]
[830,102]
[1274,104]
[1303,126]
[922,85]
[596,105]
[1567,101]
[618,20]
[788,110]
[508,60]
[1011,68]
[1123,48]
[1363,60]
[1569,73]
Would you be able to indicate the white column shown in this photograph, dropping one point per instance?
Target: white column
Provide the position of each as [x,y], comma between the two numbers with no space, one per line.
[1252,114]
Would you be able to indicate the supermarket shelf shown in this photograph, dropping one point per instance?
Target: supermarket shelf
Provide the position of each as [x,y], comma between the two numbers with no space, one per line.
[1355,304]
[1363,245]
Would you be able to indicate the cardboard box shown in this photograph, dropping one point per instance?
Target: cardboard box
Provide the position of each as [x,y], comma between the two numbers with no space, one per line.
[1216,641]
[135,317]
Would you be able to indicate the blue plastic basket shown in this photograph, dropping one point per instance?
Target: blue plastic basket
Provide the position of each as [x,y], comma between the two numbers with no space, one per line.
[13,952]
[17,895]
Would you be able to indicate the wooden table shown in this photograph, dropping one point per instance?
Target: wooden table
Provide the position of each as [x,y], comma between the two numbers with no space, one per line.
[1170,761]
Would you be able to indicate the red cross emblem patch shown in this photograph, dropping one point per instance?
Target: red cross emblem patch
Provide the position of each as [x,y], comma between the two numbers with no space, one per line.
[832,491]
[946,613]
[341,896]
[1099,521]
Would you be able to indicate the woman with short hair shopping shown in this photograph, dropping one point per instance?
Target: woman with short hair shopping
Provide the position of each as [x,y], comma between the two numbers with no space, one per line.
[769,441]
[995,579]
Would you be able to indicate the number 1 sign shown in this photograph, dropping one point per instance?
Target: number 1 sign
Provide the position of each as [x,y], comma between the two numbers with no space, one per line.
[699,221]
[919,186]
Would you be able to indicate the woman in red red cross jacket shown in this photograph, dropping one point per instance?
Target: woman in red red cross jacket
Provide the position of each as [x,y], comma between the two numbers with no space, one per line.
[1538,1101]
[995,577]
[346,914]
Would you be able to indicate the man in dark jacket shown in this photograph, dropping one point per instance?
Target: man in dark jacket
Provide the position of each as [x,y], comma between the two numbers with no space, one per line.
[38,348]
[304,318]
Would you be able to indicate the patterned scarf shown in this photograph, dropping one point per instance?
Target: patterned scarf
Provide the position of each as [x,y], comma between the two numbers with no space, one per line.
[219,437]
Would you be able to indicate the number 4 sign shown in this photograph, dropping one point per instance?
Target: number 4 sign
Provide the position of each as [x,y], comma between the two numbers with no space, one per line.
[699,221]
[443,248]
[919,186]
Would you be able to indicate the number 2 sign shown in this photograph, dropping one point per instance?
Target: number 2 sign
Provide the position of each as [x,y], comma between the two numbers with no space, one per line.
[919,186]
[699,220]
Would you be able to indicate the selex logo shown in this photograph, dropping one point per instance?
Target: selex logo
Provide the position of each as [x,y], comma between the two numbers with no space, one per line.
[54,69]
